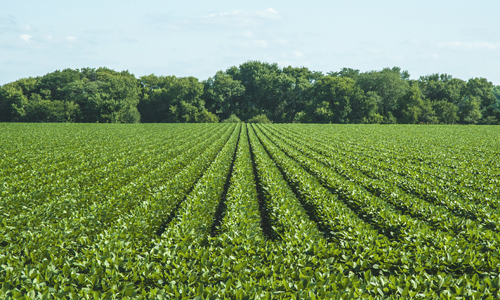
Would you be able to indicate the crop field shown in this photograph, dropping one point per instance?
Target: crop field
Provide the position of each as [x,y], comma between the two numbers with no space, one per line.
[249,211]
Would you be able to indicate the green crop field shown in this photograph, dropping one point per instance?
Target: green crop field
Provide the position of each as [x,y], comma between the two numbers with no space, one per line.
[240,211]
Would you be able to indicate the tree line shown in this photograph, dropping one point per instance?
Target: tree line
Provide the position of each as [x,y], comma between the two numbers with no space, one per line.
[253,92]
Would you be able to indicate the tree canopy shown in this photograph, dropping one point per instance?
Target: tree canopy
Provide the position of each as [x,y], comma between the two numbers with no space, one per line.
[252,92]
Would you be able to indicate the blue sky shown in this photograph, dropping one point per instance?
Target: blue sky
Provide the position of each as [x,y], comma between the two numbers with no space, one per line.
[198,38]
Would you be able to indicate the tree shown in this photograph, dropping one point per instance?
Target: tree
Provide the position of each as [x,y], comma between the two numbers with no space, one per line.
[170,99]
[222,94]
[154,104]
[52,84]
[410,106]
[446,112]
[12,103]
[299,95]
[267,89]
[427,115]
[368,113]
[482,89]
[50,111]
[493,110]
[389,84]
[468,110]
[346,73]
[442,87]
[110,97]
[334,98]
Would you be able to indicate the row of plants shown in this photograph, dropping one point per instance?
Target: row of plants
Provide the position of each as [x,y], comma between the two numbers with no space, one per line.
[474,179]
[435,216]
[443,252]
[483,208]
[81,243]
[98,184]
[242,211]
[94,204]
[83,164]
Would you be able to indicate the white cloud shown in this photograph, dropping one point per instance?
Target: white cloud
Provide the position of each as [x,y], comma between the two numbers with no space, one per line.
[470,46]
[268,13]
[27,27]
[70,38]
[234,12]
[25,37]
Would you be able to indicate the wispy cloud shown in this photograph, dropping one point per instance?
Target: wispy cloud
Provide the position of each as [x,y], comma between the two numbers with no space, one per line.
[222,14]
[268,13]
[25,37]
[470,45]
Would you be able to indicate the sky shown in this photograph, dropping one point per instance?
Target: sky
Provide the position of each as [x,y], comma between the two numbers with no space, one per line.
[199,38]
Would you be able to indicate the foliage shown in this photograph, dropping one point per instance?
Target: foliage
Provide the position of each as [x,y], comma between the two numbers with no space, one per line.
[232,119]
[223,95]
[389,84]
[446,112]
[248,211]
[51,111]
[259,119]
[284,94]
[468,110]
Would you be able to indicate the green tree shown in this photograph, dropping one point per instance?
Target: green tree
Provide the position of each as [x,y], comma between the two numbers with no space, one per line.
[334,98]
[442,87]
[446,112]
[389,84]
[410,106]
[12,103]
[170,99]
[222,94]
[346,73]
[493,110]
[50,111]
[368,114]
[299,94]
[267,89]
[469,110]
[107,97]
[427,114]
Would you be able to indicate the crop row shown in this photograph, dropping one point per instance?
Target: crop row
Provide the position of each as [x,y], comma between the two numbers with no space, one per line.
[239,211]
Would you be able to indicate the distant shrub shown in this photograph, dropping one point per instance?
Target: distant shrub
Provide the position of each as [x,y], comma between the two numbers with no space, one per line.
[232,119]
[259,119]
[207,117]
[374,118]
